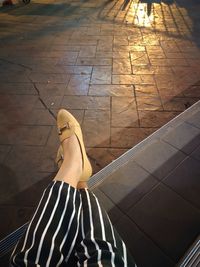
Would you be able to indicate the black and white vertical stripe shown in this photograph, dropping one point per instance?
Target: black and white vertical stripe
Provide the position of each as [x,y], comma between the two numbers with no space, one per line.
[69,228]
[100,243]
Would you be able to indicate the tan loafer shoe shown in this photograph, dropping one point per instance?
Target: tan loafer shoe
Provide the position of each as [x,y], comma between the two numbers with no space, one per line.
[67,126]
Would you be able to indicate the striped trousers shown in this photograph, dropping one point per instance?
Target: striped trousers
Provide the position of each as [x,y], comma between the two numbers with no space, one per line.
[70,228]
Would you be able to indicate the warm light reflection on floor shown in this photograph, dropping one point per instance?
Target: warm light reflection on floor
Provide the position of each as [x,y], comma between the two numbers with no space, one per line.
[143,15]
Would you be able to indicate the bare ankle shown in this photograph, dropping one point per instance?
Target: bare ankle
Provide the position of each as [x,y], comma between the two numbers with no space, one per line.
[82,185]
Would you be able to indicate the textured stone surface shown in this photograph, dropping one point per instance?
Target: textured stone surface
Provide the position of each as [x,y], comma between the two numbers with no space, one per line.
[123,69]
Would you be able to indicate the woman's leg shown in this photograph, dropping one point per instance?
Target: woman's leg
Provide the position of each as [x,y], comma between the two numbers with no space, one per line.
[100,243]
[52,232]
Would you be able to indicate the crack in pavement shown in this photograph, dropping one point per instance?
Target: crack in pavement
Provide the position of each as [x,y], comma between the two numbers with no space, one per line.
[34,85]
[41,100]
[14,63]
[127,107]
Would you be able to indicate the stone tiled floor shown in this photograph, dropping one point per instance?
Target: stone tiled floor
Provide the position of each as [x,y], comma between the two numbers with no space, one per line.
[152,192]
[124,68]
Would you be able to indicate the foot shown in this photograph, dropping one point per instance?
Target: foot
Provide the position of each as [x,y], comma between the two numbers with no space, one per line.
[71,168]
[67,126]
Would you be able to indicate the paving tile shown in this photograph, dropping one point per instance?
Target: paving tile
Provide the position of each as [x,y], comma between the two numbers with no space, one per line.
[87,51]
[126,79]
[159,158]
[15,217]
[139,58]
[193,91]
[177,103]
[184,137]
[185,181]
[24,158]
[124,48]
[20,88]
[38,77]
[194,120]
[177,61]
[40,117]
[159,62]
[140,244]
[82,38]
[148,69]
[15,115]
[124,112]
[151,40]
[69,58]
[111,90]
[120,55]
[128,137]
[46,68]
[59,54]
[85,102]
[83,70]
[53,139]
[101,75]
[93,30]
[94,61]
[8,185]
[146,89]
[169,46]
[120,40]
[168,92]
[174,55]
[113,212]
[47,159]
[49,89]
[193,62]
[155,118]
[196,153]
[96,128]
[32,194]
[105,45]
[148,102]
[16,182]
[126,190]
[4,150]
[121,66]
[19,77]
[154,48]
[180,69]
[103,54]
[17,101]
[173,230]
[165,81]
[156,54]
[101,157]
[60,47]
[24,135]
[147,79]
[78,85]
